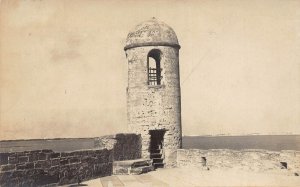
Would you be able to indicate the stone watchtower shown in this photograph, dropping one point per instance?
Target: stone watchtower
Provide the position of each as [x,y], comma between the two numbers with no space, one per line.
[153,92]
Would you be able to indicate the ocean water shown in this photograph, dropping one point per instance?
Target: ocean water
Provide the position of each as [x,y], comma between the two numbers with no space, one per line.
[68,144]
[268,142]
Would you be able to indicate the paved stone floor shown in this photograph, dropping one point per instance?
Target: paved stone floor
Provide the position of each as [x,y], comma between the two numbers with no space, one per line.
[189,177]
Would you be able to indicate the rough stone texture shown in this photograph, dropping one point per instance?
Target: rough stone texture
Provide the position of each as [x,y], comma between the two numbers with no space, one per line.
[127,147]
[44,167]
[151,31]
[155,107]
[138,166]
[252,160]
[105,142]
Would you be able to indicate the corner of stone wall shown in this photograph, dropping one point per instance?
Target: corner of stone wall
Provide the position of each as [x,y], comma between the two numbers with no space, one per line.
[170,158]
[107,142]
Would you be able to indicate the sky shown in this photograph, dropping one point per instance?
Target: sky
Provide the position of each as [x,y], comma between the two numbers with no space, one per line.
[63,70]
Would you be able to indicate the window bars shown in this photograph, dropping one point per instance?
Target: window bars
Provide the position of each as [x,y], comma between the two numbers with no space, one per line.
[154,76]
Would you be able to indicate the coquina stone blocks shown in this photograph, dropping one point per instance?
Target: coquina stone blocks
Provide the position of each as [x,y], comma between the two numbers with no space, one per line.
[250,160]
[49,168]
[154,107]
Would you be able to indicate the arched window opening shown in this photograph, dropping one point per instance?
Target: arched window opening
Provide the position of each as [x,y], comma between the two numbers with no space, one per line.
[154,68]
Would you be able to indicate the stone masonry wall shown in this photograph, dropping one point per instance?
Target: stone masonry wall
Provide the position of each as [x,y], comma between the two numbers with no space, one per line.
[127,147]
[46,167]
[105,142]
[253,160]
[155,107]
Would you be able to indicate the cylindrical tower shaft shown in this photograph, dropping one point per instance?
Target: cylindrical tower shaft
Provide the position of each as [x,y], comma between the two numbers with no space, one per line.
[153,96]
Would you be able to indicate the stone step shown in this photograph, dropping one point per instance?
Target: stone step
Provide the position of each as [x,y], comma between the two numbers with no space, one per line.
[158,160]
[159,165]
[140,170]
[141,163]
[124,167]
[155,155]
[156,151]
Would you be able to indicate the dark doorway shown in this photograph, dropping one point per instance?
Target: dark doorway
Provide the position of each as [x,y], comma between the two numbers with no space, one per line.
[156,147]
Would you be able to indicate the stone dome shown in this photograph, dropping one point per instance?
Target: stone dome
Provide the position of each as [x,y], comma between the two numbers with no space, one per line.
[151,33]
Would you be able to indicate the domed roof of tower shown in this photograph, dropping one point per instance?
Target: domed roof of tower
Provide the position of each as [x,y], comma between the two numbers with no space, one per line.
[151,33]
